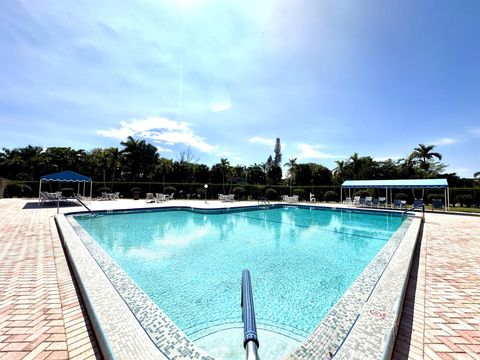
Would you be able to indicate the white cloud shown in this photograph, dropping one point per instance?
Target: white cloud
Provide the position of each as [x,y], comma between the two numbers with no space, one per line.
[384,158]
[161,130]
[443,141]
[308,151]
[262,140]
[475,131]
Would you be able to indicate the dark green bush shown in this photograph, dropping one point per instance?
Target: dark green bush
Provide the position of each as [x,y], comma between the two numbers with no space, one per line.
[362,193]
[331,196]
[239,192]
[102,189]
[300,192]
[170,189]
[466,200]
[271,194]
[14,189]
[434,196]
[401,196]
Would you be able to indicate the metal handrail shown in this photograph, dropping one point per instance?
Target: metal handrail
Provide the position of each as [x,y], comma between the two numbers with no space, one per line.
[416,207]
[86,207]
[250,338]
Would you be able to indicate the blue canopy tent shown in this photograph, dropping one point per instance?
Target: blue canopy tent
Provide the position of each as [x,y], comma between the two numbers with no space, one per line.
[398,184]
[66,176]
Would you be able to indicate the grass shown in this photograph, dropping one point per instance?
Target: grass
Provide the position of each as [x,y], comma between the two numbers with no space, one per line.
[464,209]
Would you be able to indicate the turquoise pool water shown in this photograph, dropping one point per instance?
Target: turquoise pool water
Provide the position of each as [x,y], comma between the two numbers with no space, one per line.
[190,262]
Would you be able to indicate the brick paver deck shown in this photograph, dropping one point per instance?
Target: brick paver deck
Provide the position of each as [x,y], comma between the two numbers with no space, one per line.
[41,316]
[441,314]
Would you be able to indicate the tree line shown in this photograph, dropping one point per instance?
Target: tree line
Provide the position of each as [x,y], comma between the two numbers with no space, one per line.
[138,161]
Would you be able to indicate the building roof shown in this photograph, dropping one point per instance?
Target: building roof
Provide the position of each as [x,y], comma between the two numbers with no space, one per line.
[397,184]
[68,176]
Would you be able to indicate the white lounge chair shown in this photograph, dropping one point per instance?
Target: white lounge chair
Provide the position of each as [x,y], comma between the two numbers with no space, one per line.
[312,198]
[150,198]
[368,201]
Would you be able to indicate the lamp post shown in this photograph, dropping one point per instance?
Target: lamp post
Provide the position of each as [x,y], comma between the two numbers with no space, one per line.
[206,187]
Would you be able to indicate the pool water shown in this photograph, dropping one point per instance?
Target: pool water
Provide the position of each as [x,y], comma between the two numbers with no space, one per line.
[190,264]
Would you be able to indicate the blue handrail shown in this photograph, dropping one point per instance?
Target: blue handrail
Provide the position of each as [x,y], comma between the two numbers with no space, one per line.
[250,337]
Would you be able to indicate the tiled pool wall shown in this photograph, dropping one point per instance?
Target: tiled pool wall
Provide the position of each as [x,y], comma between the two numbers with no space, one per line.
[361,324]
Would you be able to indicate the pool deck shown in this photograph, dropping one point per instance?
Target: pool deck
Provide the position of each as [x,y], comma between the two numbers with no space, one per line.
[42,316]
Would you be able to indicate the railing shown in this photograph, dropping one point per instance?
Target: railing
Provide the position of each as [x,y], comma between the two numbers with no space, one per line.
[263,200]
[86,207]
[416,207]
[250,338]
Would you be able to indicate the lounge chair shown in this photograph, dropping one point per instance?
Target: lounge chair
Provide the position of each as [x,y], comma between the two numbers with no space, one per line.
[397,204]
[221,197]
[382,202]
[356,200]
[375,203]
[417,203]
[49,197]
[159,197]
[368,201]
[294,198]
[150,198]
[403,204]
[312,198]
[361,202]
[285,198]
[347,201]
[437,204]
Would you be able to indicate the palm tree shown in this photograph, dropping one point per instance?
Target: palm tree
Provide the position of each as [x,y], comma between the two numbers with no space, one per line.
[424,154]
[165,167]
[224,168]
[292,167]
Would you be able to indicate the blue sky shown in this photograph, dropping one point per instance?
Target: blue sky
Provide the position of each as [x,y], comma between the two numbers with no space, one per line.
[225,78]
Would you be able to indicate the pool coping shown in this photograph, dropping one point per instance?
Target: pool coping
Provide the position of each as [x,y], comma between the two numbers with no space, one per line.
[330,338]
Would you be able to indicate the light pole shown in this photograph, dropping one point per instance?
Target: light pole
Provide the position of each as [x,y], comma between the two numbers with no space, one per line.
[206,187]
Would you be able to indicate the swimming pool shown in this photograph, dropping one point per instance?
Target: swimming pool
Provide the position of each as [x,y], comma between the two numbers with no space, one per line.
[189,262]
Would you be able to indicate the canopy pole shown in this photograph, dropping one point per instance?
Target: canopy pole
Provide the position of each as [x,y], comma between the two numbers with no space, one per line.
[39,189]
[91,186]
[341,194]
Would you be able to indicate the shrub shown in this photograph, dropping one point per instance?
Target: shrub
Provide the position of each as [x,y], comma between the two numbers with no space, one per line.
[239,192]
[466,200]
[401,196]
[103,189]
[300,192]
[331,196]
[271,194]
[18,190]
[362,193]
[170,189]
[434,196]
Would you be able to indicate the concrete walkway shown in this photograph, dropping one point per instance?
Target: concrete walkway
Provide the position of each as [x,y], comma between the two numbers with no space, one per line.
[42,317]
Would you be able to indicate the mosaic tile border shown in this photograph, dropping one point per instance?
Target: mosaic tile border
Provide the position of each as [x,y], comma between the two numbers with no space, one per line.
[323,343]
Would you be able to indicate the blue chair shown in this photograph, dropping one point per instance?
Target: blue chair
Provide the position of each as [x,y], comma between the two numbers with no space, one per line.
[437,204]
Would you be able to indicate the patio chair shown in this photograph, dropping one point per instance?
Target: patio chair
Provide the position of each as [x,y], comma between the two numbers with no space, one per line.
[361,202]
[171,196]
[294,198]
[312,198]
[368,201]
[437,204]
[375,203]
[285,198]
[417,203]
[221,197]
[396,204]
[356,200]
[159,197]
[403,204]
[229,197]
[150,198]
[382,202]
[348,200]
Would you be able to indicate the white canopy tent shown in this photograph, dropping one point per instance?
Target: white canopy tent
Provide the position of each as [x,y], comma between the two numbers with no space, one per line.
[388,185]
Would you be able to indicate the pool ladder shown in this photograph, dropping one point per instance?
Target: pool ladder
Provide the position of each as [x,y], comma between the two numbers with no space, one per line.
[250,338]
